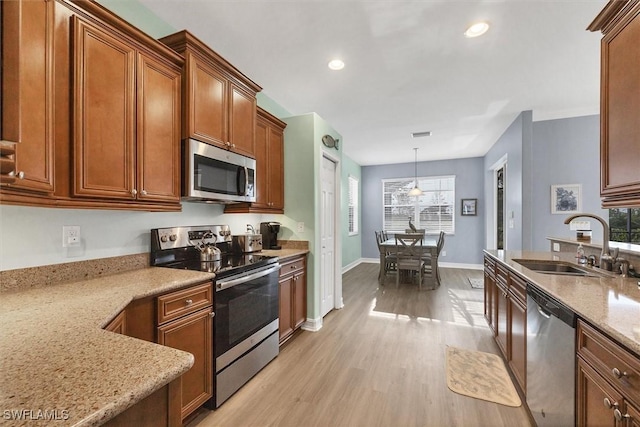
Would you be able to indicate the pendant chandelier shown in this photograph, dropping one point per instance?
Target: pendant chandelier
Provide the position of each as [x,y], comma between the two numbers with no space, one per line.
[415,191]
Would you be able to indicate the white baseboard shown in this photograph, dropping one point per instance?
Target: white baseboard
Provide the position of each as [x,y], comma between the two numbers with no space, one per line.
[442,264]
[352,265]
[312,325]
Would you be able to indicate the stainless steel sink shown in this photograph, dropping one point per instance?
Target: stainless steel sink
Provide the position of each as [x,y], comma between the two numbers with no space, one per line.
[556,267]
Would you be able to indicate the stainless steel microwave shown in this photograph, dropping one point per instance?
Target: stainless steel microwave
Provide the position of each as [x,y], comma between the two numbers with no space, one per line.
[214,174]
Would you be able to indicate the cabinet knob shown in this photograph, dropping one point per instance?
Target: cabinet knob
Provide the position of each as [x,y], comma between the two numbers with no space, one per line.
[616,373]
[134,192]
[20,175]
[143,192]
[233,145]
[212,315]
[608,404]
[188,302]
[619,415]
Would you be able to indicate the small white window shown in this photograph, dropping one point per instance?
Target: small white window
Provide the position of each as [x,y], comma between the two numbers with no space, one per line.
[353,206]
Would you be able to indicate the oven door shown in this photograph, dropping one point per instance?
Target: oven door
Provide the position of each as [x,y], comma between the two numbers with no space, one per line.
[212,173]
[245,304]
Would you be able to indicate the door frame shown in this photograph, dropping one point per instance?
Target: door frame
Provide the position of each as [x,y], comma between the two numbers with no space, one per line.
[493,241]
[337,235]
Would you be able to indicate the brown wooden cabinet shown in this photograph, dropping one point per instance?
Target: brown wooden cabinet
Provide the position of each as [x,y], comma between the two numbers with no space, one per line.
[27,152]
[126,115]
[185,325]
[293,296]
[118,324]
[506,312]
[619,21]
[269,167]
[219,102]
[91,106]
[608,381]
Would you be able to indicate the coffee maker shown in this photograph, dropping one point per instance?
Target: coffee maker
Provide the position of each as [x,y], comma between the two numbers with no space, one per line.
[269,231]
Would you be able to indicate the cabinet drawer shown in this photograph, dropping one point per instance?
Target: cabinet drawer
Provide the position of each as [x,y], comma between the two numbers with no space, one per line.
[292,267]
[186,301]
[489,265]
[518,287]
[613,362]
[502,274]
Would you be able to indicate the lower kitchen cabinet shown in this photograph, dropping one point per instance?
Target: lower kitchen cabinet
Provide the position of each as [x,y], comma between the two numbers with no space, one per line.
[293,296]
[184,325]
[118,324]
[608,381]
[506,312]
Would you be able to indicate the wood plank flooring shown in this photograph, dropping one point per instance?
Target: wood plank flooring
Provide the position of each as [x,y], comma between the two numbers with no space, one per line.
[379,361]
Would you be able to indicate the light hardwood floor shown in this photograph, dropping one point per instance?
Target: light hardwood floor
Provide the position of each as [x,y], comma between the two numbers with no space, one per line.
[379,361]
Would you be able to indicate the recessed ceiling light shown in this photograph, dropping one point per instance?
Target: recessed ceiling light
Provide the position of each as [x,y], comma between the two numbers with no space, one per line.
[420,134]
[477,29]
[336,64]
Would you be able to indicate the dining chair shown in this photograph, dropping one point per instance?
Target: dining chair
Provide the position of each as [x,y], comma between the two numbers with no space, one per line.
[389,263]
[409,252]
[428,270]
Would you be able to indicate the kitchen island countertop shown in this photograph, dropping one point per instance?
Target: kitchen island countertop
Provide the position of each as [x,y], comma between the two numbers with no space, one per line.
[612,304]
[55,356]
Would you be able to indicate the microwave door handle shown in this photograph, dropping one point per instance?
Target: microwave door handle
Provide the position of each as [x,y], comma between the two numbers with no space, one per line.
[246,181]
[242,191]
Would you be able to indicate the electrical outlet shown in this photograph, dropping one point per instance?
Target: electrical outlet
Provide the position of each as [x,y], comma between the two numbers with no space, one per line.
[70,235]
[301,227]
[443,253]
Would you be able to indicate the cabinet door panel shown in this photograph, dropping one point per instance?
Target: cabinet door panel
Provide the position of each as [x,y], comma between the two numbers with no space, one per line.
[28,91]
[207,113]
[501,309]
[286,322]
[262,168]
[620,106]
[276,169]
[489,291]
[193,334]
[592,390]
[518,361]
[104,113]
[158,139]
[299,300]
[242,121]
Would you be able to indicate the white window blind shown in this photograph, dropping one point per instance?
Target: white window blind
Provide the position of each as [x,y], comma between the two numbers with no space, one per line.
[434,210]
[353,206]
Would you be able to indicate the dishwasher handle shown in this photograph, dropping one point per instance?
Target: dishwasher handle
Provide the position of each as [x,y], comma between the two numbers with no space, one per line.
[549,306]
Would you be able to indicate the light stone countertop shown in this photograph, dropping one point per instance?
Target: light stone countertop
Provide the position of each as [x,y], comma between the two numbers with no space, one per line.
[284,253]
[612,304]
[55,356]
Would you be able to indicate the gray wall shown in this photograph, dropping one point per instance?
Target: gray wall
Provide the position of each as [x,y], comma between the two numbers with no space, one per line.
[466,245]
[565,151]
[511,144]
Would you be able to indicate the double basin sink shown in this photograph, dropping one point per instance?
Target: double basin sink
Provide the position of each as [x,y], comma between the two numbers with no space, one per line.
[562,268]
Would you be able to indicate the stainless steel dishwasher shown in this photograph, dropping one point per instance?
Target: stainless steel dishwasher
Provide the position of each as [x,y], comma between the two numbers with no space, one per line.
[551,360]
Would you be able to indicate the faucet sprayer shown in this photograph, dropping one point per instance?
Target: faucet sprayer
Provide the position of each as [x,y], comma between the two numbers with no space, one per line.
[606,260]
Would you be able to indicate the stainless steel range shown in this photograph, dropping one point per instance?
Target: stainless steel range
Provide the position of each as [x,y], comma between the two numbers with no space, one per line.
[245,326]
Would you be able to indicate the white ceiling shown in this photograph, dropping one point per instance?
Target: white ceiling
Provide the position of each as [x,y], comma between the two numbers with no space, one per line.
[408,66]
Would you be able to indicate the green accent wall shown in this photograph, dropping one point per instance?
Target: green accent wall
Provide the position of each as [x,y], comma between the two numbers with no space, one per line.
[140,16]
[351,245]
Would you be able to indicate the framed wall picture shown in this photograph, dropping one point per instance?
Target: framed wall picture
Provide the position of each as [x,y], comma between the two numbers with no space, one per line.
[469,207]
[566,198]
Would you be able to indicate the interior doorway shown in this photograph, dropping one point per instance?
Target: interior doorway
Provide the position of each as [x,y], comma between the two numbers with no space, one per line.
[498,236]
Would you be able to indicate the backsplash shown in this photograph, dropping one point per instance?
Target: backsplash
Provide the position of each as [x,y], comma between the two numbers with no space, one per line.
[48,275]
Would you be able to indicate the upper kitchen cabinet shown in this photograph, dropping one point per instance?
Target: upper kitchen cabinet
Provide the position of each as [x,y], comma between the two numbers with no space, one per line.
[27,149]
[91,110]
[269,167]
[219,102]
[619,21]
[127,120]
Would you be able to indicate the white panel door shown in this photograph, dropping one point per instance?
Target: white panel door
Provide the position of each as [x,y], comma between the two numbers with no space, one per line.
[327,233]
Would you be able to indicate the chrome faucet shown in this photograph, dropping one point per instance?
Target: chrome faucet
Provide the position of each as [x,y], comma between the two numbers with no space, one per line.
[606,260]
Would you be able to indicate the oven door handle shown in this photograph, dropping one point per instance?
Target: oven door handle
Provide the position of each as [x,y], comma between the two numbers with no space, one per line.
[225,284]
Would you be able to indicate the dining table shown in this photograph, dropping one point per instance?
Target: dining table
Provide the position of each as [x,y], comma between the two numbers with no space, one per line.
[429,242]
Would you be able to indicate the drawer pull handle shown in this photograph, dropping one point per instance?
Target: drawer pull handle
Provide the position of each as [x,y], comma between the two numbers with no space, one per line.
[619,416]
[609,405]
[616,373]
[189,302]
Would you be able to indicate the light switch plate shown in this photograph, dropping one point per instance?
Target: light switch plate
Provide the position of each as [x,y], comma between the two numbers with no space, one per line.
[556,247]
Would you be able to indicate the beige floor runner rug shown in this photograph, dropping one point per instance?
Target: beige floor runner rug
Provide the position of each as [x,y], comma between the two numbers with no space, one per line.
[480,375]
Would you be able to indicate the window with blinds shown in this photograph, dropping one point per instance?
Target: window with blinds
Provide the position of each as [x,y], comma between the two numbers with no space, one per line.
[353,206]
[434,210]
